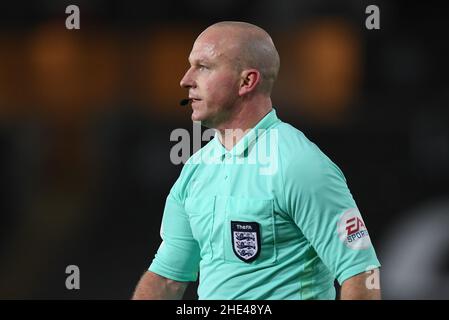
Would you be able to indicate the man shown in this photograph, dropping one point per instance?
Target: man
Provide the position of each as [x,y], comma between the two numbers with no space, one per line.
[255,229]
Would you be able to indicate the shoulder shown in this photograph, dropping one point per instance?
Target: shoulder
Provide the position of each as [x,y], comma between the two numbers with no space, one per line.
[301,156]
[197,160]
[295,145]
[189,170]
[201,155]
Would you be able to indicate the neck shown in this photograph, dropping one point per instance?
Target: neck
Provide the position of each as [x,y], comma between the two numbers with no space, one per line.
[243,118]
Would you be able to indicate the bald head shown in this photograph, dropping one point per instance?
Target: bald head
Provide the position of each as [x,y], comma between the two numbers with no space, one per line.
[248,46]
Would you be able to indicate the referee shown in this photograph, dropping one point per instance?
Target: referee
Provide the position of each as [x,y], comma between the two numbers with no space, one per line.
[259,212]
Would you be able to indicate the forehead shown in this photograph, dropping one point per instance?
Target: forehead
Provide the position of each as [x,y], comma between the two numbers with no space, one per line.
[204,50]
[211,46]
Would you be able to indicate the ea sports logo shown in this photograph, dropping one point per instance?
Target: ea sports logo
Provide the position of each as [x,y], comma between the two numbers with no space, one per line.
[352,231]
[354,225]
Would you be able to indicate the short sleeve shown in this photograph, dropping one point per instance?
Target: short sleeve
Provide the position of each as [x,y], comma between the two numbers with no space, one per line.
[178,255]
[319,201]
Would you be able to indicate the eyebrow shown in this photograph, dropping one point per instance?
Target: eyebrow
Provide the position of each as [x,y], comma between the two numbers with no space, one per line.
[199,61]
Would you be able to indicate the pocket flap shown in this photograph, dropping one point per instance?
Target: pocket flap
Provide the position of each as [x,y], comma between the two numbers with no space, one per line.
[243,207]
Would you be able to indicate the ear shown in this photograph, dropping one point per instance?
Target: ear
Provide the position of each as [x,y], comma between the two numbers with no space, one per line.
[250,79]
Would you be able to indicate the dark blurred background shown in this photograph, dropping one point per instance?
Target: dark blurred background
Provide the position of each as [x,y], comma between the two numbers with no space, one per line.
[86,117]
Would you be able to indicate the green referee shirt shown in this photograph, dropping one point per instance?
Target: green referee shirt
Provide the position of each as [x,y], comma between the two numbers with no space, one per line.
[272,218]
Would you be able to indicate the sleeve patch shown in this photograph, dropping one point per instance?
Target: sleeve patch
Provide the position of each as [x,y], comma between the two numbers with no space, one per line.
[352,230]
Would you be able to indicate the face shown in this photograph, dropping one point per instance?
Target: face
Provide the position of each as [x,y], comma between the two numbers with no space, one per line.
[212,80]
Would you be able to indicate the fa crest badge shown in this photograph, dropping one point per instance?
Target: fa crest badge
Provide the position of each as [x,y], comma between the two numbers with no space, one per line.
[245,240]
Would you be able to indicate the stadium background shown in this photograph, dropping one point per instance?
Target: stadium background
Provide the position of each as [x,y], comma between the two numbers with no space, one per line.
[86,116]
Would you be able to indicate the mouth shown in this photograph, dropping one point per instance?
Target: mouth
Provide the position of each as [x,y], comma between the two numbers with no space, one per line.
[194,101]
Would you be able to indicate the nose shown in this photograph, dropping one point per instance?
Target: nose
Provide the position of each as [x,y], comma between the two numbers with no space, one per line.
[187,81]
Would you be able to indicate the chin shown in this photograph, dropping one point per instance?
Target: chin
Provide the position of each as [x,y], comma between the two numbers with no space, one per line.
[198,115]
[202,118]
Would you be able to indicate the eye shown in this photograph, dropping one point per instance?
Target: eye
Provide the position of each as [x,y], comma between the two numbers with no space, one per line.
[202,67]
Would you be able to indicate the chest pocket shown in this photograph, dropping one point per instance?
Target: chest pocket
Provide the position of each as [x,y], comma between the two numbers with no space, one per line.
[249,232]
[200,212]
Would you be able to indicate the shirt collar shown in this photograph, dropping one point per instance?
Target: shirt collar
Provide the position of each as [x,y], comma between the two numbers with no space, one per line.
[249,139]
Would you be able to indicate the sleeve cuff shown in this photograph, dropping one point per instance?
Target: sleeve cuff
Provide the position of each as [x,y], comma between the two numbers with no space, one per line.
[172,274]
[355,270]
